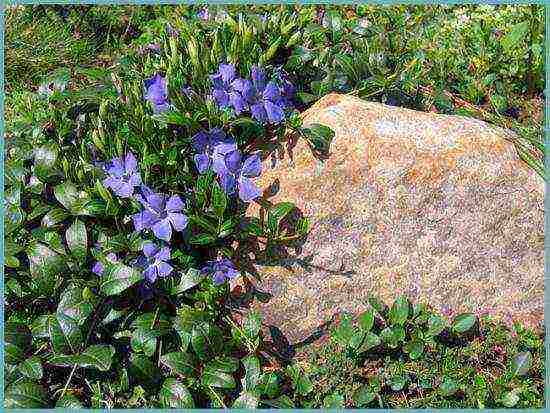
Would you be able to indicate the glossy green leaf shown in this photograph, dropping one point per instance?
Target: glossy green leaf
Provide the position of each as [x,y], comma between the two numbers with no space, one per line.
[118,277]
[25,395]
[77,239]
[179,363]
[463,322]
[31,368]
[175,395]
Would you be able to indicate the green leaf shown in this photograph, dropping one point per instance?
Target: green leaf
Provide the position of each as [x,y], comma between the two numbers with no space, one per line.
[516,35]
[74,305]
[142,368]
[179,362]
[357,339]
[118,277]
[25,395]
[344,332]
[366,320]
[300,380]
[463,322]
[144,340]
[521,363]
[225,364]
[202,239]
[252,374]
[77,239]
[188,280]
[219,200]
[217,378]
[68,401]
[398,382]
[399,311]
[333,401]
[63,332]
[44,161]
[362,397]
[246,400]
[174,394]
[71,198]
[54,217]
[278,212]
[448,387]
[371,341]
[281,402]
[436,324]
[98,357]
[31,368]
[17,339]
[319,138]
[415,348]
[269,384]
[252,324]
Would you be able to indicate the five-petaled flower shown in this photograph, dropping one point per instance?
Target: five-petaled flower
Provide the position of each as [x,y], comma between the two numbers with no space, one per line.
[123,175]
[211,148]
[220,269]
[156,92]
[226,91]
[160,214]
[237,173]
[98,267]
[155,261]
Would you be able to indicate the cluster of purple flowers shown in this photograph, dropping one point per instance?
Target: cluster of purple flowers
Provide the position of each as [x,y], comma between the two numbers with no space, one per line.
[218,151]
[163,214]
[265,100]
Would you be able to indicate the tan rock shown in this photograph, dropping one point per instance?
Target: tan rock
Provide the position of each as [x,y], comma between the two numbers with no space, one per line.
[437,207]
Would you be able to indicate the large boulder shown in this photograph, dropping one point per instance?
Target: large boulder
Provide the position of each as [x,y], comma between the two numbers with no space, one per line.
[436,207]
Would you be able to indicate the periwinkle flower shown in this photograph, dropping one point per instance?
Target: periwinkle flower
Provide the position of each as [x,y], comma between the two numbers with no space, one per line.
[220,269]
[222,84]
[156,92]
[161,214]
[123,175]
[98,267]
[204,13]
[236,174]
[155,264]
[266,103]
[212,146]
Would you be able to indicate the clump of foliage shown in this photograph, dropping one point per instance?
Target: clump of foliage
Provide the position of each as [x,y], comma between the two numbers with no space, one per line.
[126,212]
[408,356]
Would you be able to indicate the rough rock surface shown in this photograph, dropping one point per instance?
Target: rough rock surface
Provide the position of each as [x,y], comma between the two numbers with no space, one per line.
[436,207]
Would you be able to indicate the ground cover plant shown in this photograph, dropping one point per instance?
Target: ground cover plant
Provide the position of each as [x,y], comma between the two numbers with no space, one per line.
[127,186]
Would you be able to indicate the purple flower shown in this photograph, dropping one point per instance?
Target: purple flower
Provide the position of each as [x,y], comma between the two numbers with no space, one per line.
[221,269]
[266,103]
[235,173]
[173,32]
[123,175]
[204,14]
[156,92]
[161,213]
[212,146]
[98,267]
[156,265]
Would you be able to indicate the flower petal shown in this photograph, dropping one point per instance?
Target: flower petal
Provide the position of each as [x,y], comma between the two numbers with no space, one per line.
[174,204]
[98,268]
[233,161]
[130,163]
[142,220]
[151,273]
[162,230]
[149,249]
[179,221]
[227,72]
[202,162]
[164,269]
[228,183]
[271,92]
[248,191]
[163,254]
[258,112]
[274,113]
[252,166]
